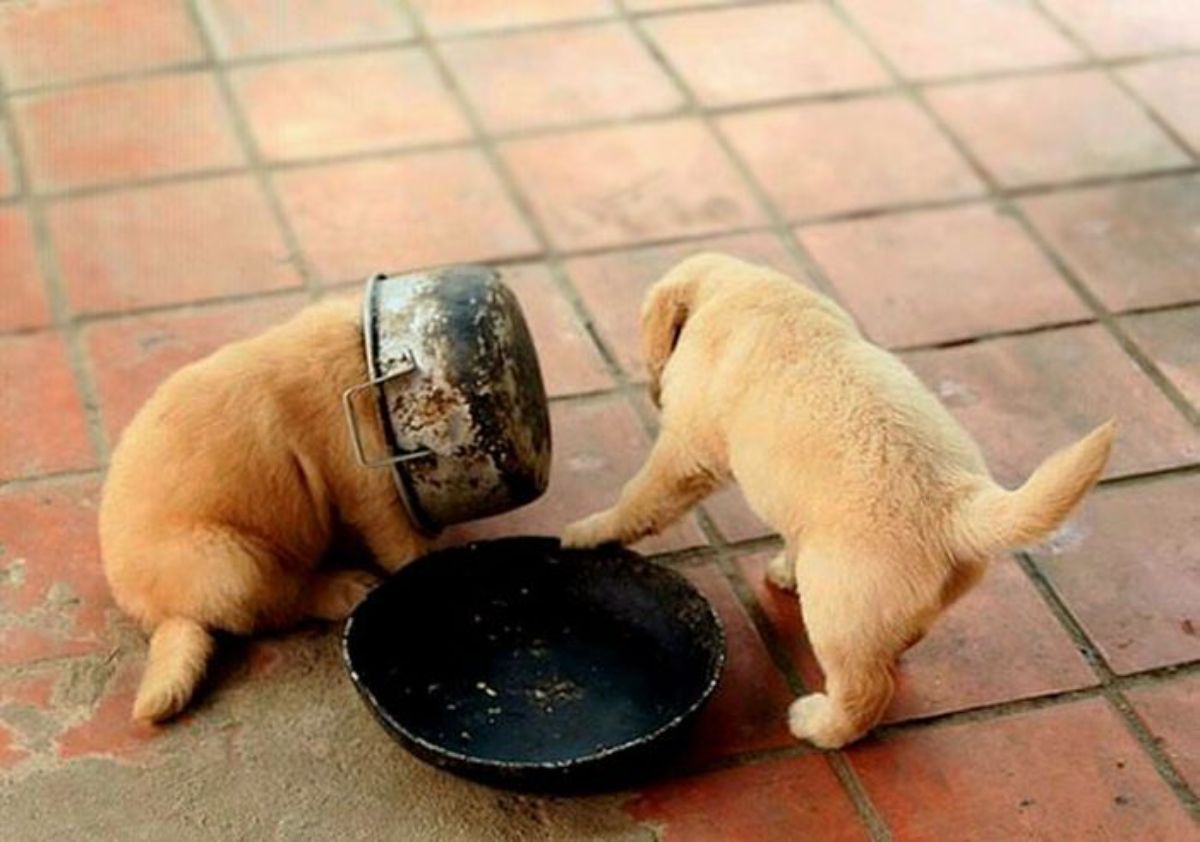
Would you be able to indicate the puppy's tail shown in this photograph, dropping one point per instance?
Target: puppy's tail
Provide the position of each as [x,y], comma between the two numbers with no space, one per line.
[179,652]
[665,311]
[996,519]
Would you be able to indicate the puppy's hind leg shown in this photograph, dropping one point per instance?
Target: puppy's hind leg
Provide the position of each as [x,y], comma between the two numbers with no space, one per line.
[855,636]
[666,487]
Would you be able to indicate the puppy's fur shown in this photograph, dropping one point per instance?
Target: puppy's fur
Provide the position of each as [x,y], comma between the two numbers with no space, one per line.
[887,509]
[227,488]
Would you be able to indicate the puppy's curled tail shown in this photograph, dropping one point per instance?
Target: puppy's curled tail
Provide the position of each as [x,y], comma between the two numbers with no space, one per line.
[996,519]
[665,310]
[179,652]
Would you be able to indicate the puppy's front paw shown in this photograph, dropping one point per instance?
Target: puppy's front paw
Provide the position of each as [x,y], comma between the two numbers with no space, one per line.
[592,531]
[813,718]
[781,572]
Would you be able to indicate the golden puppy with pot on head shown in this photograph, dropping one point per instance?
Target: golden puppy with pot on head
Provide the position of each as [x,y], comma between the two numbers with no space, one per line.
[885,504]
[226,490]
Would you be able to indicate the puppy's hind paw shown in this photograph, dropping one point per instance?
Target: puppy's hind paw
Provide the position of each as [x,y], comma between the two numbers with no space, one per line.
[815,718]
[781,572]
[592,531]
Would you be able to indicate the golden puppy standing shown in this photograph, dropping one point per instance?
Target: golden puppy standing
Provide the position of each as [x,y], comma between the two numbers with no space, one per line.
[226,489]
[886,506]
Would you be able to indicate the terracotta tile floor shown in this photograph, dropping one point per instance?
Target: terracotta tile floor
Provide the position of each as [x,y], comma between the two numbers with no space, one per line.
[1008,193]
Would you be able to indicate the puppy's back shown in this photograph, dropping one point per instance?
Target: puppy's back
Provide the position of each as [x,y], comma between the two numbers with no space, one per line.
[223,440]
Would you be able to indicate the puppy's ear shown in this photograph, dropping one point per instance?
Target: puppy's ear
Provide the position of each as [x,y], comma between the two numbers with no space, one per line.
[664,312]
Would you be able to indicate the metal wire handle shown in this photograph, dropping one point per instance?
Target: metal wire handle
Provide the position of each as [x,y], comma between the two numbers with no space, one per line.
[408,366]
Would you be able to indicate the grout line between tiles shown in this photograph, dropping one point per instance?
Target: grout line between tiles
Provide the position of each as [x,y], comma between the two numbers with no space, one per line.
[8,153]
[777,222]
[1004,201]
[1110,684]
[50,479]
[54,287]
[1110,73]
[982,714]
[250,151]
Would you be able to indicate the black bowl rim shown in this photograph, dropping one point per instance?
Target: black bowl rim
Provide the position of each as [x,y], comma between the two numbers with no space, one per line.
[486,764]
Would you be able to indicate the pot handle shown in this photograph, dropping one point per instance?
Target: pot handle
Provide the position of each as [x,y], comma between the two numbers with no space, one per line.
[407,366]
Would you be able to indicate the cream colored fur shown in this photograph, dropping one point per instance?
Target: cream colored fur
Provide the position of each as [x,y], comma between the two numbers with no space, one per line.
[886,507]
[227,488]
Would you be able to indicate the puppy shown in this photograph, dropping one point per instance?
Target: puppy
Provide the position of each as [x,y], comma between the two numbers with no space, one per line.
[886,507]
[226,489]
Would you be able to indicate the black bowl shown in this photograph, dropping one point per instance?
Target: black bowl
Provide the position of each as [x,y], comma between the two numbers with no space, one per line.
[521,664]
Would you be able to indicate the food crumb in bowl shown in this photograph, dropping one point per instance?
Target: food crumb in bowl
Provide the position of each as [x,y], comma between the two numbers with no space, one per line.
[554,691]
[483,685]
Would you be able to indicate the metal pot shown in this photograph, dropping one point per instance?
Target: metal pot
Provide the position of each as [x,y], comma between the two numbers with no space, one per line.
[459,394]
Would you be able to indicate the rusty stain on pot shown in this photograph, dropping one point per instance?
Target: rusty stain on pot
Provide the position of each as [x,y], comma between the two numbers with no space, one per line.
[475,399]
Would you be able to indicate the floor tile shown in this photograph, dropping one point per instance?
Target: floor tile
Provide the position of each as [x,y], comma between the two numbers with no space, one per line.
[1126,570]
[1054,128]
[169,244]
[11,753]
[117,131]
[928,39]
[305,108]
[1065,772]
[130,356]
[791,798]
[38,384]
[56,42]
[243,28]
[1170,340]
[1134,244]
[613,285]
[753,54]
[558,77]
[453,17]
[1023,397]
[633,184]
[1170,710]
[599,444]
[24,293]
[1114,28]
[847,164]
[748,710]
[106,730]
[1172,88]
[402,213]
[57,601]
[569,359]
[25,713]
[942,275]
[1000,643]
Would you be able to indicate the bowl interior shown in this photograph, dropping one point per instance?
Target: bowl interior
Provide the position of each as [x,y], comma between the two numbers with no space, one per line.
[518,652]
